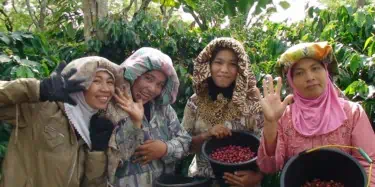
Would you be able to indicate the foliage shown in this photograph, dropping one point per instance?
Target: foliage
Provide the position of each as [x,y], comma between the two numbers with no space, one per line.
[349,30]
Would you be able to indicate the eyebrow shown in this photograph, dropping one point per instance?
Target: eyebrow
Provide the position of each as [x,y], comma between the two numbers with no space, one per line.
[232,60]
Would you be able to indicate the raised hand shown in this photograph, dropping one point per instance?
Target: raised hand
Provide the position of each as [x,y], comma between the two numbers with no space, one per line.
[58,86]
[273,107]
[134,109]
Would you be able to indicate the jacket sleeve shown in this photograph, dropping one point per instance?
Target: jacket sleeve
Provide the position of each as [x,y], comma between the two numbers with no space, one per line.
[363,137]
[95,170]
[178,145]
[188,121]
[128,138]
[15,97]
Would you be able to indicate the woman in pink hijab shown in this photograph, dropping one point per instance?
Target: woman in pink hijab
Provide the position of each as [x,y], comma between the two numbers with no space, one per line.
[317,115]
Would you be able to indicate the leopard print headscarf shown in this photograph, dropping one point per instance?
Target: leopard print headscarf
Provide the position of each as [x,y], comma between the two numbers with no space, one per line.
[244,100]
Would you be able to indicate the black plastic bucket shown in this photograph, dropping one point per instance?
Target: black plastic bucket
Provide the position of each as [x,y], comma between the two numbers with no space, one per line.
[324,164]
[170,180]
[239,138]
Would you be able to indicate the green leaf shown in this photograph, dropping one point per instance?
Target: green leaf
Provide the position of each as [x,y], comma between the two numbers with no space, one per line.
[245,5]
[4,59]
[357,88]
[24,72]
[360,18]
[29,62]
[355,63]
[284,4]
[4,38]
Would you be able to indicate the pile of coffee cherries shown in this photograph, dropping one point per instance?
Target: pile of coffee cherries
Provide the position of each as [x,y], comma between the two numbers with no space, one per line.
[320,183]
[232,154]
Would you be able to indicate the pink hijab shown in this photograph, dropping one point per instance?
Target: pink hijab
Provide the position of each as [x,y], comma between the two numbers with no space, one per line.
[312,117]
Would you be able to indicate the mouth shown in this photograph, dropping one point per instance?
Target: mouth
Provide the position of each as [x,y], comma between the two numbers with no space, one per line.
[103,99]
[144,96]
[312,86]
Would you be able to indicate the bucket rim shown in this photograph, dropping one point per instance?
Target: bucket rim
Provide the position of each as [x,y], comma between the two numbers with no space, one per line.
[198,182]
[335,150]
[231,164]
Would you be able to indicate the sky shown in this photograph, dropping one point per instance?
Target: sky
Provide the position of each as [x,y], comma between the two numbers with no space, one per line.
[294,13]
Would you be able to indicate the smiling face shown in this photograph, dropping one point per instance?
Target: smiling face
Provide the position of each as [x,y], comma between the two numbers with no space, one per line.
[224,68]
[100,91]
[149,85]
[309,78]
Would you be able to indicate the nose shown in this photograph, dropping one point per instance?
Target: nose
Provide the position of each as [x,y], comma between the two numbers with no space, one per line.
[224,68]
[309,76]
[106,88]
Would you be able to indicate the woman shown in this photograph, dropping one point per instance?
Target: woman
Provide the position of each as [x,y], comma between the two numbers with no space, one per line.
[51,144]
[224,99]
[317,117]
[148,139]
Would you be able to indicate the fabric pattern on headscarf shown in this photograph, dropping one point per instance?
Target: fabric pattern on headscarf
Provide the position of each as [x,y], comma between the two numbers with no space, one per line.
[81,114]
[320,51]
[147,59]
[322,115]
[243,101]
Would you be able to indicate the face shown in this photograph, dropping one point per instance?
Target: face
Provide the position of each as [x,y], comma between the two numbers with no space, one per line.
[224,68]
[149,85]
[309,78]
[100,91]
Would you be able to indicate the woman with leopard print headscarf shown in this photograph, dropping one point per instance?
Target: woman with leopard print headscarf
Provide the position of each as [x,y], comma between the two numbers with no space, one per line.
[224,99]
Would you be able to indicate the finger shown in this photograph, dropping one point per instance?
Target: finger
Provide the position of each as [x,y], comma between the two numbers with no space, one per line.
[70,73]
[141,152]
[60,67]
[232,179]
[120,100]
[288,100]
[271,88]
[265,88]
[148,142]
[243,173]
[279,86]
[125,108]
[121,94]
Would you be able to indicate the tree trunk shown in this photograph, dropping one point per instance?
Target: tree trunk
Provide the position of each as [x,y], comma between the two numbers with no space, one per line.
[43,8]
[93,10]
[360,3]
[32,16]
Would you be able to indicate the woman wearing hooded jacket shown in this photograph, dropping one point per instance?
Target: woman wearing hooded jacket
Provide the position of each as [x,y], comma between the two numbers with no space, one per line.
[224,100]
[148,139]
[51,144]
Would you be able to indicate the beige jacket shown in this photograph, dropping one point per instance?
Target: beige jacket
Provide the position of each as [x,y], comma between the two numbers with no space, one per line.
[43,149]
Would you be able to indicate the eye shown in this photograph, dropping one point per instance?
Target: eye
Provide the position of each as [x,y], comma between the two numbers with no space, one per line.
[148,78]
[298,73]
[110,82]
[218,62]
[96,81]
[316,68]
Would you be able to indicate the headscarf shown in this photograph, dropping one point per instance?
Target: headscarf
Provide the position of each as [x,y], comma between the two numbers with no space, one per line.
[147,59]
[141,61]
[243,100]
[81,114]
[320,115]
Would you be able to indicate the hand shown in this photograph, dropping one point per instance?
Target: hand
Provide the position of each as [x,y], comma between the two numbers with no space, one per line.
[219,131]
[273,107]
[101,130]
[134,109]
[58,87]
[150,150]
[243,178]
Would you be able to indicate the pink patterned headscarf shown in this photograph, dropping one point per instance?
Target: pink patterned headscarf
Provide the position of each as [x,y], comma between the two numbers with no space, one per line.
[317,116]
